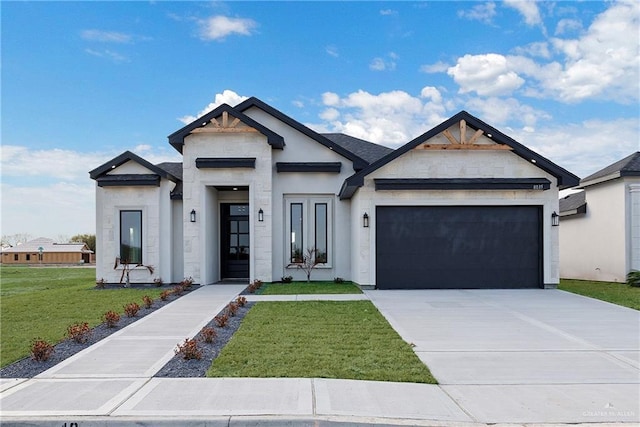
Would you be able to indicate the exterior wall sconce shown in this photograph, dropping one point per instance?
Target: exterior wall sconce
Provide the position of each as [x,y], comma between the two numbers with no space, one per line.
[192,216]
[555,219]
[365,220]
[260,215]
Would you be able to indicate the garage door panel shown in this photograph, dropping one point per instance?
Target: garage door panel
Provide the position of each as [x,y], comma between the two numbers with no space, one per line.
[458,247]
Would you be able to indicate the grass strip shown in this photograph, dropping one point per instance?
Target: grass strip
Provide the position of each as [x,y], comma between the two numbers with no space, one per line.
[299,288]
[616,293]
[43,302]
[319,339]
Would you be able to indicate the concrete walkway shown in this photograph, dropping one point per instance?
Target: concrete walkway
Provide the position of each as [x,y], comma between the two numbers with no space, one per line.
[112,381]
[524,356]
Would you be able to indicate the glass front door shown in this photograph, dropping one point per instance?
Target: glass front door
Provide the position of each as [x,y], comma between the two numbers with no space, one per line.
[235,241]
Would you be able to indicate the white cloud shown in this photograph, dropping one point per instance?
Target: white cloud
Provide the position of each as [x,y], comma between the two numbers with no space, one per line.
[49,192]
[226,97]
[332,51]
[219,27]
[388,12]
[481,12]
[106,36]
[438,67]
[567,25]
[540,49]
[298,103]
[487,75]
[586,147]
[501,112]
[388,118]
[384,64]
[107,54]
[528,9]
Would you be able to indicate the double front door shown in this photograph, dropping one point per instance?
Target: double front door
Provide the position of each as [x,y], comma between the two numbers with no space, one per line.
[234,241]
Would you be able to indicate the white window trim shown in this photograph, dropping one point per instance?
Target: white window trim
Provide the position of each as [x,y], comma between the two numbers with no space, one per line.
[308,231]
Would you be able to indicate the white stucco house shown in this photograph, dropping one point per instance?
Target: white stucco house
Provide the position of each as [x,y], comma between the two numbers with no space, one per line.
[461,206]
[600,225]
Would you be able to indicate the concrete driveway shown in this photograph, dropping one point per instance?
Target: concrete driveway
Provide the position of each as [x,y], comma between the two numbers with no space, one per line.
[524,355]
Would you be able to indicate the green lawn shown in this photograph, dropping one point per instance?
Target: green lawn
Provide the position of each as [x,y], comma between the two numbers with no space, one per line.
[617,293]
[319,339]
[42,302]
[295,288]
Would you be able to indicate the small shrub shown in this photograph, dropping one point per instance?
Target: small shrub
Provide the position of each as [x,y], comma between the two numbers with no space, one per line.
[148,302]
[633,278]
[111,319]
[208,334]
[189,350]
[187,282]
[287,279]
[338,280]
[100,283]
[41,350]
[164,295]
[232,309]
[252,288]
[178,290]
[241,301]
[79,332]
[131,309]
[258,283]
[221,320]
[158,281]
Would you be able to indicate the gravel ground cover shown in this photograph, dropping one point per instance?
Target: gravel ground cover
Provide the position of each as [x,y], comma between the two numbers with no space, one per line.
[180,368]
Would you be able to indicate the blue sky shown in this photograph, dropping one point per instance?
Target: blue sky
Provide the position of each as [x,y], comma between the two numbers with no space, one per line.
[84,81]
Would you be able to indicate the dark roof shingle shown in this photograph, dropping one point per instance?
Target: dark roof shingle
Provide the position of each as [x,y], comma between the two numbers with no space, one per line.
[361,148]
[573,203]
[629,166]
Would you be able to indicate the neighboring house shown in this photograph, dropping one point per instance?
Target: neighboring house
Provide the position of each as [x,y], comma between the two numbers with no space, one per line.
[600,225]
[45,251]
[461,206]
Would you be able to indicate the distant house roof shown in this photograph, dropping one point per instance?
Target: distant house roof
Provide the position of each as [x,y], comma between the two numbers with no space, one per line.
[48,245]
[573,204]
[629,166]
[364,149]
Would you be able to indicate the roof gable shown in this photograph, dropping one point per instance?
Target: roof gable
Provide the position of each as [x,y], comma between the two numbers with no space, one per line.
[126,157]
[358,162]
[209,123]
[565,178]
[629,166]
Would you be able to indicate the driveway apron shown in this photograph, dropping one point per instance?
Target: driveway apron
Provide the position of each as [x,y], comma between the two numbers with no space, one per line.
[528,356]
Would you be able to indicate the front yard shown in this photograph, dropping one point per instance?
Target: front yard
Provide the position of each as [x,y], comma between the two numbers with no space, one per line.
[298,288]
[40,302]
[616,293]
[319,339]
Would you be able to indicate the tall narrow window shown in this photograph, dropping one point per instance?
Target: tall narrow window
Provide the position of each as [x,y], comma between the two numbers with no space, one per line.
[16,257]
[28,257]
[131,237]
[297,241]
[321,232]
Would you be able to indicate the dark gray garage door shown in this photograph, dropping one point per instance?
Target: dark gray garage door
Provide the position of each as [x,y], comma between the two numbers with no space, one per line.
[452,247]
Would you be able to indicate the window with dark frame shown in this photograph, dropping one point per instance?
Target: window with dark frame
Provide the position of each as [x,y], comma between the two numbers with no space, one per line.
[321,232]
[28,256]
[16,257]
[296,237]
[131,237]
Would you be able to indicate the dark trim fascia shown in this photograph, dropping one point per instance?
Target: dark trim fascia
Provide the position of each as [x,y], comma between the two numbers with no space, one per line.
[129,156]
[463,184]
[176,139]
[330,167]
[129,180]
[225,162]
[358,162]
[565,178]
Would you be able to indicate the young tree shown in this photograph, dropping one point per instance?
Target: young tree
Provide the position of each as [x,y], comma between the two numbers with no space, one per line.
[309,261]
[89,239]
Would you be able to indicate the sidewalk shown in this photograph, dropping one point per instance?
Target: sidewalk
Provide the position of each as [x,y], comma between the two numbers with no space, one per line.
[111,383]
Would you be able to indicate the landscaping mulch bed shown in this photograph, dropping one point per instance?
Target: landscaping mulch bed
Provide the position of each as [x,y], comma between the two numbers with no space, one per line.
[29,368]
[180,368]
